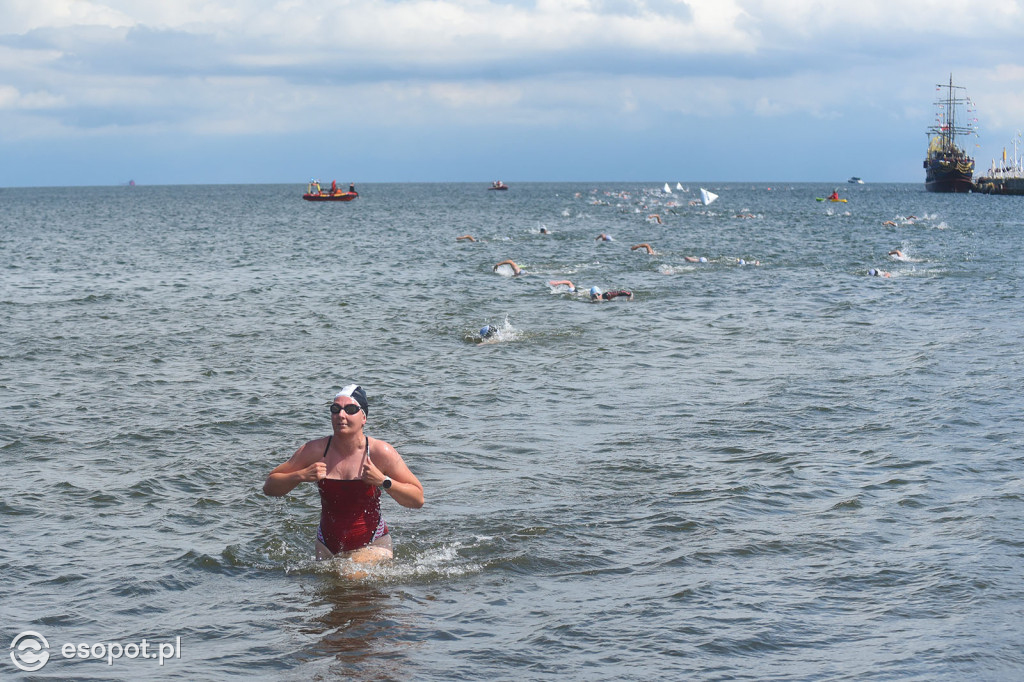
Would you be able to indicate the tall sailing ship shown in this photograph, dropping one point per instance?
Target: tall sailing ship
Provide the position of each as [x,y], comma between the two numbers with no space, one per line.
[948,167]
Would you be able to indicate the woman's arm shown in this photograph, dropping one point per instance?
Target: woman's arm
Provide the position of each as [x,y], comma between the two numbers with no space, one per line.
[303,467]
[384,460]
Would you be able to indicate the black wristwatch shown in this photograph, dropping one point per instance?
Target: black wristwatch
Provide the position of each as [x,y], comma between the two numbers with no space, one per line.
[386,483]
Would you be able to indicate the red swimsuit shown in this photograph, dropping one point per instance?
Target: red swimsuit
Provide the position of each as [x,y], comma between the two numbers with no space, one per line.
[349,512]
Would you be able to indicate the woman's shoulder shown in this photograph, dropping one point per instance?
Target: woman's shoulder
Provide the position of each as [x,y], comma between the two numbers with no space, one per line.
[314,448]
[381,448]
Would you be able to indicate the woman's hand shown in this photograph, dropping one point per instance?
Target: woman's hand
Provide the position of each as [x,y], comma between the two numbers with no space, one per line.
[314,472]
[370,473]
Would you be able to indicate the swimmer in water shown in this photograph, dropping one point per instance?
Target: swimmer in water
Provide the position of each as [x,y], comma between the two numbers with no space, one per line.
[487,331]
[563,282]
[879,273]
[889,223]
[544,230]
[465,238]
[897,254]
[694,259]
[515,268]
[353,473]
[603,237]
[642,246]
[654,217]
[597,296]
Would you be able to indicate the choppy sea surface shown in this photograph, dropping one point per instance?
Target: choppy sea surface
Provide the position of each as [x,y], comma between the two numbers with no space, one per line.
[768,466]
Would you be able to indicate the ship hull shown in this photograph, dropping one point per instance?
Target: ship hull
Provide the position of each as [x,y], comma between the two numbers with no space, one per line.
[948,180]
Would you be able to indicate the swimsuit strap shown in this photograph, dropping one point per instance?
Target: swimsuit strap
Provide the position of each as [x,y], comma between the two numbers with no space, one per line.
[366,454]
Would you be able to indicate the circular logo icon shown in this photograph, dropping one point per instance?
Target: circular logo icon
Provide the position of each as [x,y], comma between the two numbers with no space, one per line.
[29,651]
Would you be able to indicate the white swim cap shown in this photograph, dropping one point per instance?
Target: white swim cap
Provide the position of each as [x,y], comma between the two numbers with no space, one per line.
[356,393]
[703,259]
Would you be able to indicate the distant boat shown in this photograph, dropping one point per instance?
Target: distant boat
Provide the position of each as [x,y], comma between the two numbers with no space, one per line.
[948,167]
[855,181]
[668,190]
[706,196]
[314,193]
[498,184]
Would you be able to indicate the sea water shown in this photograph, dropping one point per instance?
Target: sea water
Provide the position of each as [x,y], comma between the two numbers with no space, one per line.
[771,465]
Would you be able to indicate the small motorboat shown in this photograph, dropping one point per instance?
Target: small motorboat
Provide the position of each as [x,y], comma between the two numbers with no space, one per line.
[315,193]
[498,184]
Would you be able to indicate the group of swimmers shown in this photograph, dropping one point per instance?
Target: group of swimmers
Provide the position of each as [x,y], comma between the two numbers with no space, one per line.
[656,218]
[596,295]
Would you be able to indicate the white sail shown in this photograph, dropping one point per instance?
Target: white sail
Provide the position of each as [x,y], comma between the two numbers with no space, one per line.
[668,190]
[679,185]
[706,196]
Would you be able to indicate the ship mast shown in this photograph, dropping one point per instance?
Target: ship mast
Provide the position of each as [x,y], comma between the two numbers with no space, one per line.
[948,130]
[1016,159]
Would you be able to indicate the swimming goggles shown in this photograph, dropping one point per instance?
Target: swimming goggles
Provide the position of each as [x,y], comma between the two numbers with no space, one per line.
[350,409]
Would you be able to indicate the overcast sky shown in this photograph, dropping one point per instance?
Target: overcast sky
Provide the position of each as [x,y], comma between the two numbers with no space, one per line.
[254,91]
